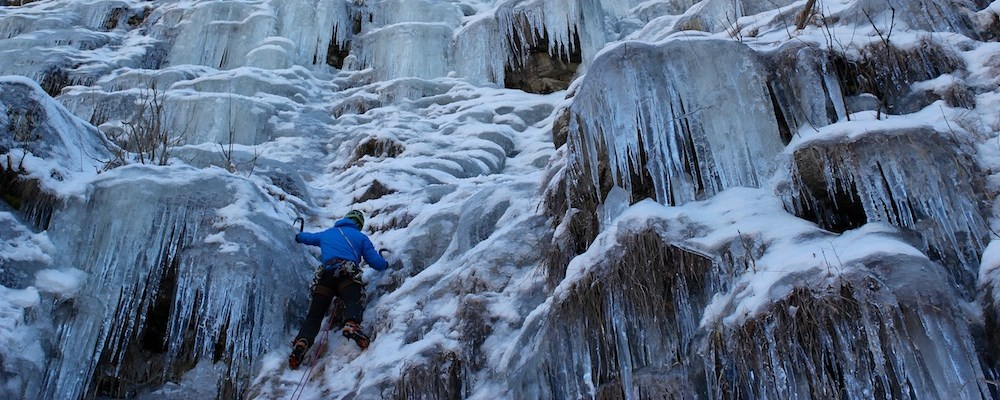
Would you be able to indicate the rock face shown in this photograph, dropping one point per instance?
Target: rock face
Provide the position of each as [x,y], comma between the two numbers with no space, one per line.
[44,145]
[541,73]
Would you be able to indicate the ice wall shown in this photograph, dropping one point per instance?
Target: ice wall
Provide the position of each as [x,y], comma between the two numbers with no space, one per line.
[200,105]
[710,301]
[855,307]
[449,171]
[399,50]
[634,319]
[228,35]
[670,141]
[199,274]
[712,290]
[71,32]
[164,252]
[313,28]
[915,178]
[220,34]
[893,332]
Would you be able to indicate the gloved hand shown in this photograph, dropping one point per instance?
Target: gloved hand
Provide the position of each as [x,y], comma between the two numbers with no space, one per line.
[297,238]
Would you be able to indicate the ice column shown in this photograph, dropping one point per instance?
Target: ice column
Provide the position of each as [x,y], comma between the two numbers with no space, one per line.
[693,116]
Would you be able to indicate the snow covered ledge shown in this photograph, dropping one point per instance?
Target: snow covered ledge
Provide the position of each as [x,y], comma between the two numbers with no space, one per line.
[898,172]
[47,148]
[716,300]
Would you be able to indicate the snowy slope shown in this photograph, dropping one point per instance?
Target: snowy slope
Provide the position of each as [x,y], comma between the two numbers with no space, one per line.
[721,204]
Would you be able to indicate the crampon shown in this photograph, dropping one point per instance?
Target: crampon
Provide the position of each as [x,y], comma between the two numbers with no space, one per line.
[299,349]
[353,331]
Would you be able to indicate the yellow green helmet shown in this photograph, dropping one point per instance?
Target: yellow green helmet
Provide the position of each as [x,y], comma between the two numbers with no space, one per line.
[357,217]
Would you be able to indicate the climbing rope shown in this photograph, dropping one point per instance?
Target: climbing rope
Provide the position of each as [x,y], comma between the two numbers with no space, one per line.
[312,356]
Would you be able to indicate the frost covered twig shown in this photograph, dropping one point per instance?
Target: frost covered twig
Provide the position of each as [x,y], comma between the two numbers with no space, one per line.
[746,247]
[227,150]
[885,37]
[803,18]
[736,31]
[148,136]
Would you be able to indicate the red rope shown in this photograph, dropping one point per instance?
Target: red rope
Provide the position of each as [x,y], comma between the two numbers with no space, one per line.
[324,336]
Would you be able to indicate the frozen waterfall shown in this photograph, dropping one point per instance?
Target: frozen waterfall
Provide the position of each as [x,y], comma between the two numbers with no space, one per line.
[582,199]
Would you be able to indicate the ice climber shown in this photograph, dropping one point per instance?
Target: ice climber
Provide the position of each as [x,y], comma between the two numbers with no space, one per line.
[342,247]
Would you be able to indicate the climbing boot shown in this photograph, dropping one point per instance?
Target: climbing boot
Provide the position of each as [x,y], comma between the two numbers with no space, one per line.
[353,331]
[299,348]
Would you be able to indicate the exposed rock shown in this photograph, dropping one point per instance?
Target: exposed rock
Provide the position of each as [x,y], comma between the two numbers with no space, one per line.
[540,72]
[377,147]
[443,377]
[536,68]
[889,73]
[375,191]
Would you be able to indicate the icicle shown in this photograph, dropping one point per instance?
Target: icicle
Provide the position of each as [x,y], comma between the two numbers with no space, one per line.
[313,27]
[565,24]
[925,185]
[158,285]
[643,309]
[481,36]
[836,340]
[715,132]
[220,34]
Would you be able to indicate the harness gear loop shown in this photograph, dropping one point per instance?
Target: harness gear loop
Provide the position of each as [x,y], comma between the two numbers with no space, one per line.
[345,271]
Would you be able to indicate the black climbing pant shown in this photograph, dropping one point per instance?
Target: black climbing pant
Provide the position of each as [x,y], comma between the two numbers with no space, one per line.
[328,283]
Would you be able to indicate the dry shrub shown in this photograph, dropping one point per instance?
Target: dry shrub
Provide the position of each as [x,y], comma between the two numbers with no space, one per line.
[637,310]
[441,377]
[850,338]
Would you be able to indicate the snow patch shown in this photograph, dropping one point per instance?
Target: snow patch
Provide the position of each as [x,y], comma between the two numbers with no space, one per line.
[64,283]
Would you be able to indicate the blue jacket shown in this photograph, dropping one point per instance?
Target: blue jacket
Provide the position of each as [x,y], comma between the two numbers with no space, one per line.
[344,241]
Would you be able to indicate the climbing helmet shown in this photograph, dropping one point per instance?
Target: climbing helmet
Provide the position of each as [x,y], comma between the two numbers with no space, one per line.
[357,217]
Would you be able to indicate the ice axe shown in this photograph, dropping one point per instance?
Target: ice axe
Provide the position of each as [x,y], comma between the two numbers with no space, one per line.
[302,223]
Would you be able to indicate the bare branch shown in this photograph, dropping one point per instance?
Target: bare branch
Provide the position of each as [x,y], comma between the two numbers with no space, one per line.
[803,18]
